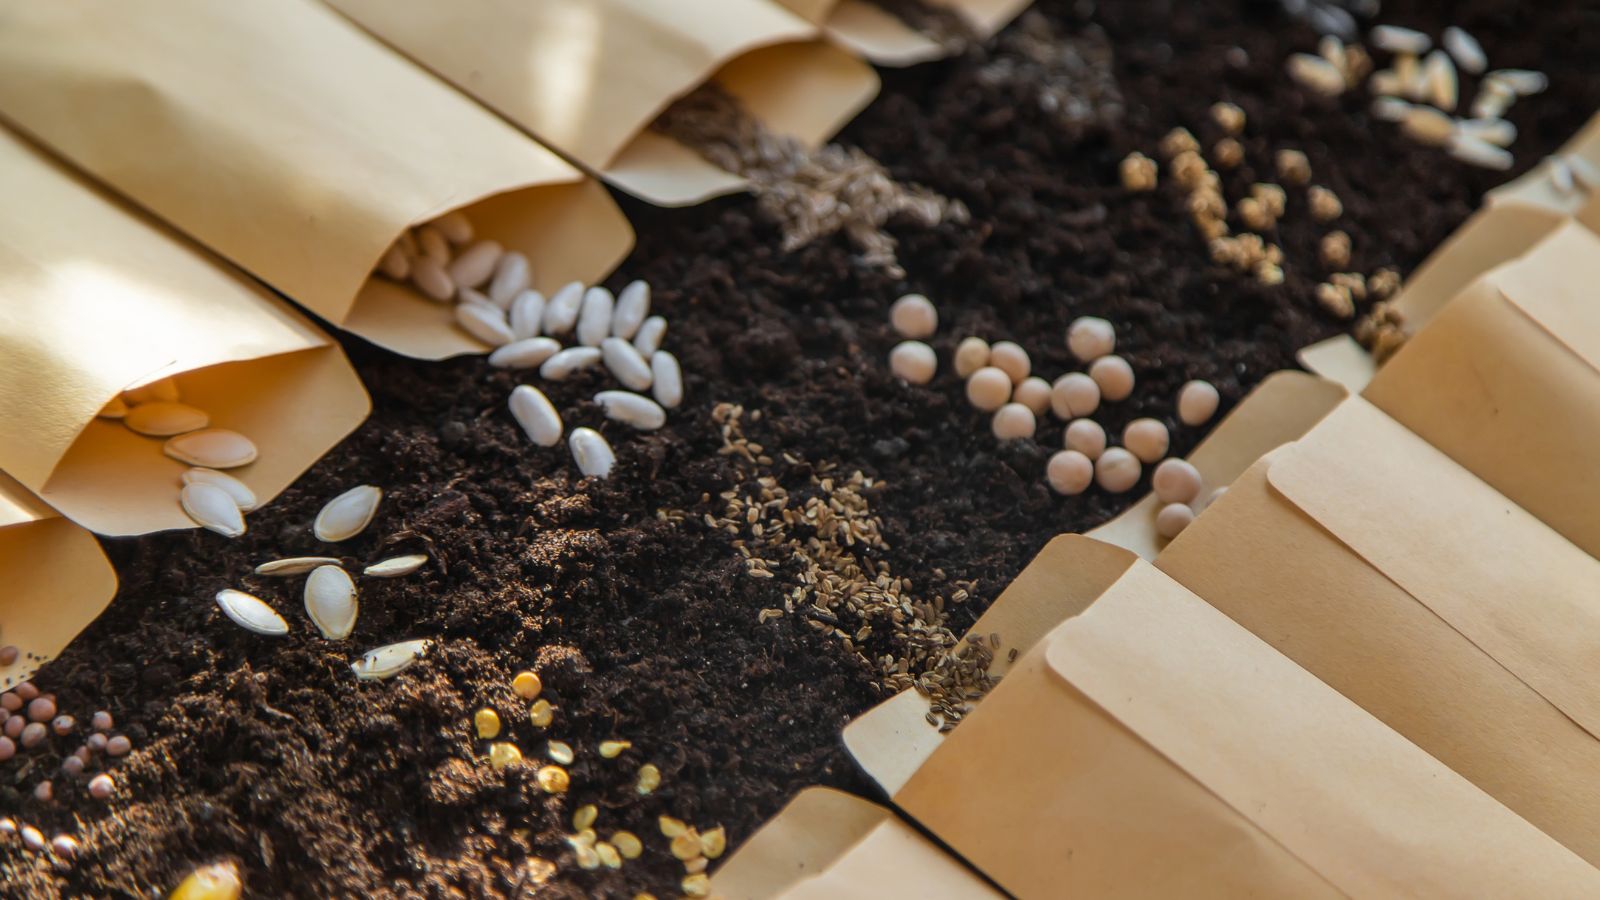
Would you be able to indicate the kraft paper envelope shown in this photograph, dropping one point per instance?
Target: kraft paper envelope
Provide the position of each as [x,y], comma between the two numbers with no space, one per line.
[873,32]
[98,298]
[1436,604]
[827,843]
[587,77]
[295,145]
[1150,746]
[1506,381]
[1514,217]
[1339,359]
[57,580]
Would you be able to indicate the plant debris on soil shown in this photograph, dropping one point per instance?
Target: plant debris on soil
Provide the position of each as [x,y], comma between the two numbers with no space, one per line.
[647,627]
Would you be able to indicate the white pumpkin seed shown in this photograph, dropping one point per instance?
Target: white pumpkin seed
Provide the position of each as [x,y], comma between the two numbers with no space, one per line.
[648,340]
[527,315]
[475,264]
[668,378]
[625,363]
[396,566]
[431,280]
[115,408]
[389,660]
[294,565]
[1496,131]
[561,313]
[331,602]
[1466,49]
[212,508]
[633,304]
[251,613]
[484,322]
[594,317]
[163,390]
[1483,154]
[511,277]
[1400,40]
[1316,74]
[393,264]
[164,418]
[1525,82]
[455,226]
[213,448]
[632,409]
[346,515]
[1427,125]
[561,366]
[536,414]
[527,353]
[591,452]
[243,497]
[1390,109]
[1443,86]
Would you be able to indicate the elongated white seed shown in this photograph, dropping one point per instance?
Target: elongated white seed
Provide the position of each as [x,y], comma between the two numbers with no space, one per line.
[648,339]
[331,603]
[561,366]
[430,278]
[1390,109]
[511,277]
[1467,51]
[527,353]
[591,452]
[1443,86]
[163,390]
[1386,83]
[1525,82]
[469,296]
[668,379]
[432,244]
[1400,40]
[389,660]
[1483,154]
[115,408]
[1496,131]
[396,566]
[594,317]
[536,414]
[484,322]
[243,497]
[527,315]
[213,508]
[165,418]
[394,265]
[561,313]
[475,264]
[454,226]
[632,409]
[625,363]
[1493,99]
[633,304]
[348,514]
[213,448]
[251,613]
[1561,176]
[1427,125]
[294,565]
[1316,74]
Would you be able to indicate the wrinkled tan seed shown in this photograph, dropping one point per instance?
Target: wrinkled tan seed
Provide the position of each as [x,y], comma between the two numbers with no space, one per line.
[396,566]
[251,613]
[633,305]
[631,409]
[528,353]
[294,565]
[560,751]
[165,418]
[484,322]
[527,315]
[212,508]
[594,316]
[648,340]
[1197,402]
[536,414]
[1073,395]
[1229,117]
[1479,153]
[348,514]
[1172,519]
[1147,439]
[591,453]
[1114,376]
[561,366]
[511,278]
[1117,470]
[561,313]
[1395,39]
[914,317]
[972,354]
[913,361]
[1085,436]
[475,264]
[1013,421]
[330,599]
[243,497]
[1293,167]
[1069,472]
[429,277]
[666,379]
[213,448]
[390,659]
[625,363]
[1138,172]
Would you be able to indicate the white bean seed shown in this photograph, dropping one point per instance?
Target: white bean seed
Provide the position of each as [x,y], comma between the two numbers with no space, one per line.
[527,314]
[1197,402]
[913,361]
[1496,131]
[1085,436]
[625,363]
[591,452]
[668,379]
[1176,481]
[1466,49]
[914,316]
[1090,337]
[1013,420]
[536,414]
[394,265]
[632,409]
[972,354]
[511,277]
[527,353]
[988,388]
[431,280]
[484,322]
[1475,152]
[475,264]
[1069,472]
[594,317]
[1443,85]
[561,313]
[1524,82]
[1147,439]
[1011,359]
[1073,395]
[1034,393]
[1116,470]
[455,226]
[433,245]
[1114,376]
[1395,39]
[1173,519]
[561,366]
[648,338]
[633,304]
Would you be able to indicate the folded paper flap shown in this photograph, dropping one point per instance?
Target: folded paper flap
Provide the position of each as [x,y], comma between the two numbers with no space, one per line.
[57,581]
[813,830]
[1356,801]
[1503,579]
[1493,235]
[892,860]
[194,114]
[868,29]
[1555,282]
[18,505]
[1339,359]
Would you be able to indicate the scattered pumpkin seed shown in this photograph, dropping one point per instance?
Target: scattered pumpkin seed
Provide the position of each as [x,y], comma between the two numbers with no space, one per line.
[527,685]
[294,565]
[649,778]
[502,754]
[613,749]
[390,659]
[609,855]
[627,844]
[585,816]
[396,566]
[165,419]
[346,515]
[212,448]
[686,845]
[554,779]
[212,508]
[243,497]
[251,613]
[560,751]
[671,827]
[713,842]
[696,865]
[331,603]
[541,714]
[487,721]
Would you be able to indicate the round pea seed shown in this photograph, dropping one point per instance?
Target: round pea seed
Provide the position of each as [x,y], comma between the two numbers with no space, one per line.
[34,733]
[913,361]
[1034,393]
[972,354]
[1013,421]
[100,721]
[1073,395]
[10,702]
[1117,470]
[1114,376]
[118,746]
[1146,439]
[101,787]
[1176,481]
[42,709]
[913,316]
[95,742]
[27,691]
[1090,337]
[988,388]
[8,748]
[1172,519]
[1197,402]
[1069,472]
[1085,436]
[72,767]
[1011,359]
[14,726]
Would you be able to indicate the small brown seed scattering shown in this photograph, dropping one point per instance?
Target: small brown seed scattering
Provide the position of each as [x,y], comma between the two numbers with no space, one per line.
[100,721]
[63,725]
[649,778]
[1177,141]
[541,714]
[1138,172]
[8,748]
[1227,153]
[487,723]
[44,791]
[41,709]
[1336,300]
[527,685]
[1325,205]
[34,734]
[1229,117]
[9,654]
[1011,359]
[613,749]
[553,779]
[27,691]
[1293,167]
[503,754]
[1335,250]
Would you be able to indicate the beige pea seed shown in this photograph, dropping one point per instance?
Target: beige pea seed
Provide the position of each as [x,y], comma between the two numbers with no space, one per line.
[1176,481]
[1034,393]
[1172,519]
[585,816]
[649,778]
[504,754]
[914,316]
[627,844]
[1197,402]
[666,379]
[988,388]
[1090,337]
[553,779]
[1085,436]
[1147,439]
[1013,421]
[1069,472]
[972,354]
[475,264]
[487,721]
[1073,395]
[670,827]
[686,845]
[541,713]
[1114,376]
[1117,470]
[913,361]
[1011,359]
[527,685]
[613,749]
[594,317]
[560,751]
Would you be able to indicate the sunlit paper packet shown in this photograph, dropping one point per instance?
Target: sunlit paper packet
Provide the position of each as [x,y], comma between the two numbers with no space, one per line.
[1173,753]
[829,844]
[57,580]
[587,77]
[99,297]
[873,32]
[295,145]
[1418,592]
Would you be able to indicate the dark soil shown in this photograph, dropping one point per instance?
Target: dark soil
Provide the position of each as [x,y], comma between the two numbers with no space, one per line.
[267,752]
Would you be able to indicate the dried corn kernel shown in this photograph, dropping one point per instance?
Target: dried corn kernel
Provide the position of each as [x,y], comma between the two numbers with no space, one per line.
[541,714]
[554,779]
[613,749]
[527,685]
[713,842]
[686,845]
[671,827]
[218,881]
[697,885]
[487,721]
[502,754]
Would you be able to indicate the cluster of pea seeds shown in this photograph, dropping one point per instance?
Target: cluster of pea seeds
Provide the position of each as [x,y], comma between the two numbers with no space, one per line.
[28,718]
[1251,250]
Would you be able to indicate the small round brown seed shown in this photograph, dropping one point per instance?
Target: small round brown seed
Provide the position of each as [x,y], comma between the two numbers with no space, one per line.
[914,316]
[1074,395]
[1117,470]
[1091,337]
[100,721]
[1069,472]
[1114,376]
[1138,172]
[10,702]
[913,361]
[1085,436]
[1034,393]
[1172,519]
[988,388]
[84,754]
[1013,421]
[101,787]
[972,354]
[14,726]
[1146,439]
[95,742]
[118,746]
[1229,116]
[63,725]
[1197,402]
[8,748]
[42,709]
[1011,359]
[1176,481]
[34,733]
[72,767]
[44,791]
[27,691]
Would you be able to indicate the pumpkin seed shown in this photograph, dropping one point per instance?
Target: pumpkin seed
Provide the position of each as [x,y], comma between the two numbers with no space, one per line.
[165,418]
[561,313]
[243,497]
[213,448]
[251,613]
[527,353]
[631,409]
[536,414]
[527,315]
[625,363]
[396,566]
[390,660]
[294,565]
[331,602]
[594,317]
[591,452]
[633,304]
[213,508]
[347,514]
